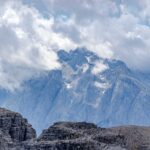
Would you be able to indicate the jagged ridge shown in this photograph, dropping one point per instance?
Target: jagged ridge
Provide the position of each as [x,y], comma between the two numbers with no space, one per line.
[83,90]
[17,134]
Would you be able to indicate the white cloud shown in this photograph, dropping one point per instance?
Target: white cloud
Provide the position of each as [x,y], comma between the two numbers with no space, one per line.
[118,29]
[99,67]
[27,44]
[31,31]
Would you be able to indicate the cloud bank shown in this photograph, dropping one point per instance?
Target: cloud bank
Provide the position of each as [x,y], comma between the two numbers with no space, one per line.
[112,28]
[27,44]
[32,31]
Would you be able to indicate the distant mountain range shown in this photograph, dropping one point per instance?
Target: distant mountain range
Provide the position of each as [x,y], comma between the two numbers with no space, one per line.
[86,88]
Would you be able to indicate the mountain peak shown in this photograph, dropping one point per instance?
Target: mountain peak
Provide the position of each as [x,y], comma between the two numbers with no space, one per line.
[77,57]
[86,88]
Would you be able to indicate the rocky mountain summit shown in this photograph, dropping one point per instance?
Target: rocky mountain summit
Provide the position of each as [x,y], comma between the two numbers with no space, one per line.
[14,129]
[86,88]
[17,134]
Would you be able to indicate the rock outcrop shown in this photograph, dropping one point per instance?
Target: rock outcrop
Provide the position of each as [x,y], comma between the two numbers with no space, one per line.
[17,134]
[87,136]
[14,129]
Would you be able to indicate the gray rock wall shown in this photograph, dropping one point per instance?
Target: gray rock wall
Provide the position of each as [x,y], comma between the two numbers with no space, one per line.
[17,134]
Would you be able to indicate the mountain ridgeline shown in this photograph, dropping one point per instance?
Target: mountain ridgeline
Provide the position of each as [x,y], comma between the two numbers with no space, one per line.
[86,88]
[17,134]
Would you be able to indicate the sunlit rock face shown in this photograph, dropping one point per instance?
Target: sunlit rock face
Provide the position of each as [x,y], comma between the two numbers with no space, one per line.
[86,88]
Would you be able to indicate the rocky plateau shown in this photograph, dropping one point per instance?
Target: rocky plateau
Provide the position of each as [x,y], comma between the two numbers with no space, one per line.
[17,134]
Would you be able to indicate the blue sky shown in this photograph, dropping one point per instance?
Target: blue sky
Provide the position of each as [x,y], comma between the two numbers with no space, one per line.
[31,31]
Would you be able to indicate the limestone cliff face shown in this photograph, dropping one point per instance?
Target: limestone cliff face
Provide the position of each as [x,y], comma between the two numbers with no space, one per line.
[17,134]
[87,136]
[14,129]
